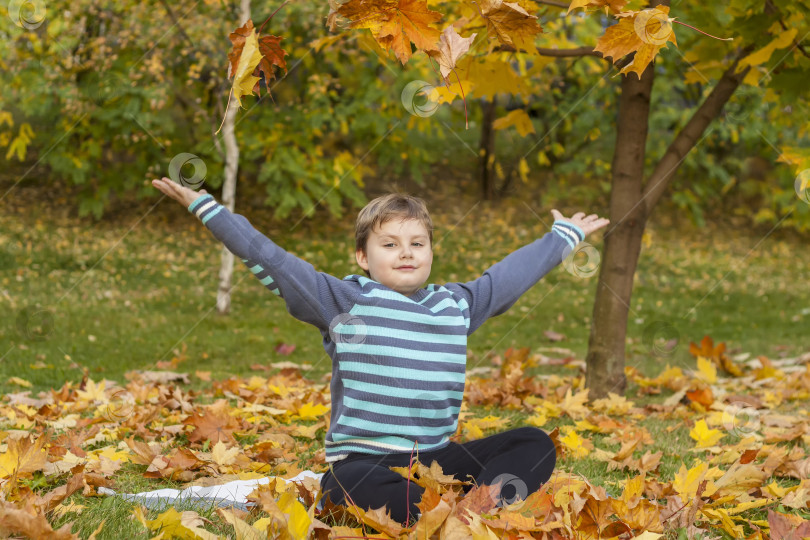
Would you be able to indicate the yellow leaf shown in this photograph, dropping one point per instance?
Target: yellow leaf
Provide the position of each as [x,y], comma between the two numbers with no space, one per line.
[707,372]
[299,521]
[310,411]
[574,405]
[704,436]
[517,118]
[446,94]
[222,455]
[537,420]
[575,444]
[473,431]
[613,404]
[242,528]
[686,482]
[764,54]
[20,143]
[6,118]
[523,170]
[491,76]
[243,79]
[22,457]
[19,382]
[174,524]
[92,392]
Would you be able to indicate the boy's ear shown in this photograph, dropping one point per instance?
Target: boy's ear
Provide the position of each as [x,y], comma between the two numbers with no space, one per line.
[362,260]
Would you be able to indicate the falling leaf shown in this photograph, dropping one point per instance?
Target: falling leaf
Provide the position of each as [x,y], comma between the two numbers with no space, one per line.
[247,57]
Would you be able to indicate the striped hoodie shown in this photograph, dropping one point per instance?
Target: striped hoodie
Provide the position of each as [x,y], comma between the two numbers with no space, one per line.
[398,362]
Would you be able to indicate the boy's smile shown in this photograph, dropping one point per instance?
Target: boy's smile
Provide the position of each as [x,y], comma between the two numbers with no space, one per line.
[398,255]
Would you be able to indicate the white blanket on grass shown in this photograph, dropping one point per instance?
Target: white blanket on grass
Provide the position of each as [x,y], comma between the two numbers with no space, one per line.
[231,494]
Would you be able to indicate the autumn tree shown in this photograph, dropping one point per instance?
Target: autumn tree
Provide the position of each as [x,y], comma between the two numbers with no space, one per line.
[725,46]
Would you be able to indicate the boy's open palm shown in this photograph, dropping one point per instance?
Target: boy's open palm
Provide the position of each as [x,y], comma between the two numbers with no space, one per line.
[588,224]
[179,193]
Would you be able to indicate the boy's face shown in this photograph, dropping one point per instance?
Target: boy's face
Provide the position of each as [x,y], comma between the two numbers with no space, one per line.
[398,255]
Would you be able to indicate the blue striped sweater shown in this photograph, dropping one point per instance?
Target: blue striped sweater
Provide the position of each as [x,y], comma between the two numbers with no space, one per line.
[398,362]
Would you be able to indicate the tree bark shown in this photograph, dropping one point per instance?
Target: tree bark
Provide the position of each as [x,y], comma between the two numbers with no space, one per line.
[605,359]
[487,149]
[229,188]
[631,204]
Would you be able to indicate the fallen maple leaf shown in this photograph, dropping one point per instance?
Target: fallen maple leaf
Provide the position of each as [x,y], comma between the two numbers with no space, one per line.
[705,436]
[23,457]
[787,527]
[215,425]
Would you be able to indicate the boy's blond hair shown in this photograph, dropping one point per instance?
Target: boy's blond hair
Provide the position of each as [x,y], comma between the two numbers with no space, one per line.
[387,207]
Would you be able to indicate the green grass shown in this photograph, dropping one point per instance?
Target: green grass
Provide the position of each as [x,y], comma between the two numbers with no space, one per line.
[120,299]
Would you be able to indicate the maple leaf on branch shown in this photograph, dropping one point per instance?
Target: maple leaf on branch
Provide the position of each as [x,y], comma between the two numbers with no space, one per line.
[613,6]
[451,47]
[643,32]
[511,24]
[395,24]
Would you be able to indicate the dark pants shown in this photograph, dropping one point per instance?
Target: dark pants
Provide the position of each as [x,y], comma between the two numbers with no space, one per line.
[520,460]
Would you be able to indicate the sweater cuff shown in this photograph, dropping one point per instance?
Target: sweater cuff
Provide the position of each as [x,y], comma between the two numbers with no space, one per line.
[205,207]
[569,232]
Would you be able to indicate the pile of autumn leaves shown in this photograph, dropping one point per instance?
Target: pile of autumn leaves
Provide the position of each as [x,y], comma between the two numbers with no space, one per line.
[80,436]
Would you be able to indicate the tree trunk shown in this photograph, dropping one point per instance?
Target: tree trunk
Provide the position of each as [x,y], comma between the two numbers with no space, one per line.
[487,150]
[605,359]
[630,207]
[229,187]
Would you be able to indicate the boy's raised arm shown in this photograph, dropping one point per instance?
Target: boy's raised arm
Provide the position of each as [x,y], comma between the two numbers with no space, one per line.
[310,296]
[504,282]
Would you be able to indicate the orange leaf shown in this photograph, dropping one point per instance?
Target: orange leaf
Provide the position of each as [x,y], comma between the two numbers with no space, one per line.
[395,23]
[644,32]
[215,425]
[511,24]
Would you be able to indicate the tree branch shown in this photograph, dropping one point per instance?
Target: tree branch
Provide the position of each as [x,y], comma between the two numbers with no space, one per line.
[559,53]
[564,53]
[554,3]
[688,137]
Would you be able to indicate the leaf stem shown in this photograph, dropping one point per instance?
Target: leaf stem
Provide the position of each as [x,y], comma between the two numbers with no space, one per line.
[701,31]
[271,16]
[226,111]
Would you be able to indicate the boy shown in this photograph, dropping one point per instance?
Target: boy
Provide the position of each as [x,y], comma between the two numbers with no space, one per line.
[399,349]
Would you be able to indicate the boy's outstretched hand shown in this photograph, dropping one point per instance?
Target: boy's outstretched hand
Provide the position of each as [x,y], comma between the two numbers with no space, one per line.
[181,194]
[588,224]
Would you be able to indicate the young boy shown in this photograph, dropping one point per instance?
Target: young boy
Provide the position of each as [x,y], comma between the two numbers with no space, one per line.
[399,349]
